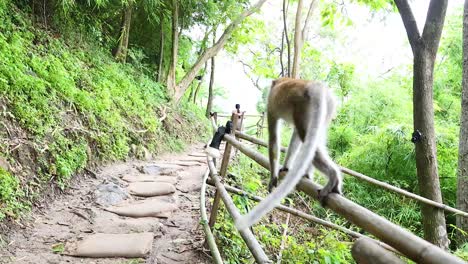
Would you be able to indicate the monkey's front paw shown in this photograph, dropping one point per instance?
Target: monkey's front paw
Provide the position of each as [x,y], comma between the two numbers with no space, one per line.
[273,183]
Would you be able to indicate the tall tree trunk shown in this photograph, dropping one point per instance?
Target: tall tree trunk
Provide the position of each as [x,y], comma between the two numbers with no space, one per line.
[281,52]
[297,41]
[171,75]
[424,51]
[300,36]
[200,83]
[161,50]
[209,104]
[122,48]
[192,89]
[212,51]
[288,43]
[462,189]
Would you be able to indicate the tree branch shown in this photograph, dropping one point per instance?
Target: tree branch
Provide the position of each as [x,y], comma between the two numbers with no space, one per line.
[254,82]
[409,21]
[288,43]
[305,29]
[434,24]
[212,51]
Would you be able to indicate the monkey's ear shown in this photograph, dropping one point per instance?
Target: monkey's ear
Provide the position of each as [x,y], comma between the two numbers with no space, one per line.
[273,83]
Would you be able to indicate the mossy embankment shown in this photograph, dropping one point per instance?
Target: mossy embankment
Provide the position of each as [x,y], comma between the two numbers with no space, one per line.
[66,106]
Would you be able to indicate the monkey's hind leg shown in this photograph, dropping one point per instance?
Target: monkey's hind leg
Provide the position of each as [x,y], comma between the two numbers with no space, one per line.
[325,164]
[291,154]
[310,172]
[273,149]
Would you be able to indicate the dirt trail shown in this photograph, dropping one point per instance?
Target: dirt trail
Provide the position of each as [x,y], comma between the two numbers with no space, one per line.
[76,215]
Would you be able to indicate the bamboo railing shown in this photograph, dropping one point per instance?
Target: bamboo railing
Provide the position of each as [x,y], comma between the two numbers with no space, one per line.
[372,181]
[392,237]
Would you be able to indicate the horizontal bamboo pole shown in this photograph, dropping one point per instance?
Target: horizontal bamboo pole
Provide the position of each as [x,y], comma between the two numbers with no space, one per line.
[403,192]
[209,235]
[305,216]
[255,140]
[246,234]
[372,181]
[412,246]
[365,251]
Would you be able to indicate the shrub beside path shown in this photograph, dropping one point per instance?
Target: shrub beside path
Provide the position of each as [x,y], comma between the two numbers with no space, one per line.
[129,212]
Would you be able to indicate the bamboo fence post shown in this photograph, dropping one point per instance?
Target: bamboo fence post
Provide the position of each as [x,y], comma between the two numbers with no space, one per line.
[365,251]
[412,246]
[246,234]
[223,170]
[373,181]
[260,126]
[210,240]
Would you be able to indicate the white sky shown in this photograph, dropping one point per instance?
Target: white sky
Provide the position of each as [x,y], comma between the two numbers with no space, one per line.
[379,44]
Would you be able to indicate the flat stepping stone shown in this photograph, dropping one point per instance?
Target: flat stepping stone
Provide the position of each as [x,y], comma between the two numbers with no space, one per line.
[191,159]
[149,178]
[135,245]
[145,208]
[186,163]
[157,169]
[198,155]
[149,189]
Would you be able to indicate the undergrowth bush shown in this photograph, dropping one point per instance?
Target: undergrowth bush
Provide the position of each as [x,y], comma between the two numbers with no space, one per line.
[10,195]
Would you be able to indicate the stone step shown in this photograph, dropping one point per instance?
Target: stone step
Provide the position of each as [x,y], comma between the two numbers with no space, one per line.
[135,245]
[149,189]
[145,208]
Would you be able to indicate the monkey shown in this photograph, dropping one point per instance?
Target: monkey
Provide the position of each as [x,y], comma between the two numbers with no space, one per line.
[309,106]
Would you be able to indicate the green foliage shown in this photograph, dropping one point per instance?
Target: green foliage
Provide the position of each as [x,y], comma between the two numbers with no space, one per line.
[326,248]
[78,106]
[341,76]
[3,5]
[462,252]
[448,71]
[58,248]
[134,261]
[10,195]
[69,157]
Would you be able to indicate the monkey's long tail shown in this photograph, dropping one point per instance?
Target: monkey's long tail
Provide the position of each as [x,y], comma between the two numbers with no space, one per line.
[298,170]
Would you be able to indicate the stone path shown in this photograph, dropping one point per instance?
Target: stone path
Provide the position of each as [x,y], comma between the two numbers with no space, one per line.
[135,208]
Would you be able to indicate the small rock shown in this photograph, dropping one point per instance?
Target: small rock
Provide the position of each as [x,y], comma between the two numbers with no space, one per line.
[4,164]
[147,153]
[109,194]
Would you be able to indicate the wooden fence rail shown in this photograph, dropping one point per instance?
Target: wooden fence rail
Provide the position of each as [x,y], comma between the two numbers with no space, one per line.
[305,216]
[210,240]
[371,180]
[365,251]
[412,246]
